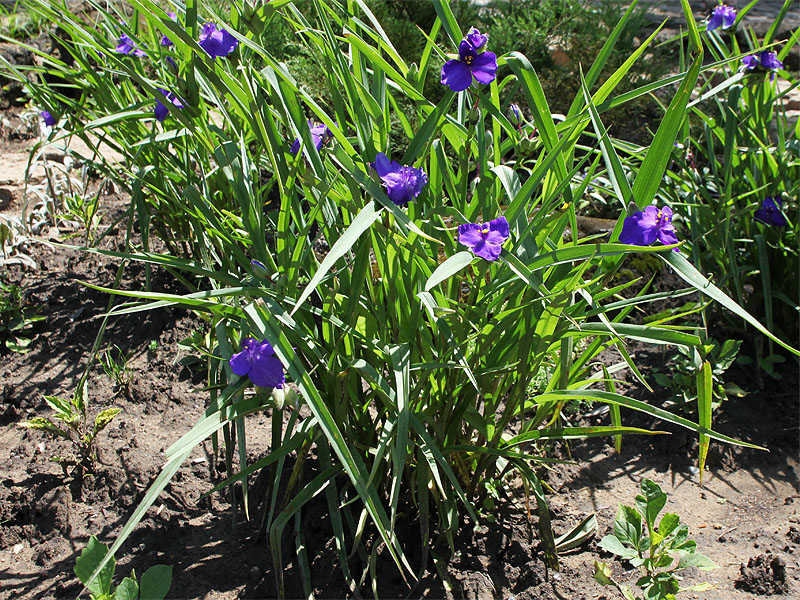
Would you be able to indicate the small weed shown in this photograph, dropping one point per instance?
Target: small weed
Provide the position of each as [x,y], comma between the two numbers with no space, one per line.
[116,366]
[75,427]
[651,547]
[154,584]
[16,319]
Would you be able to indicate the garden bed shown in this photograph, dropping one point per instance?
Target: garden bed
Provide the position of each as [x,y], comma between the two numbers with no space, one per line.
[749,506]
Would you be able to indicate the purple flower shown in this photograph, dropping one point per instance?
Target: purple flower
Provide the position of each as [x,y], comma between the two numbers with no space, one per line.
[770,212]
[769,60]
[477,39]
[320,135]
[642,228]
[403,184]
[217,43]
[257,360]
[162,111]
[165,41]
[723,16]
[457,74]
[485,239]
[127,46]
[49,119]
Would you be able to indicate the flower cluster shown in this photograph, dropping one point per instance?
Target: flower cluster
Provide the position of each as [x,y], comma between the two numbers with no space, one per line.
[472,62]
[403,184]
[484,239]
[723,16]
[643,227]
[771,212]
[257,360]
[766,60]
[217,43]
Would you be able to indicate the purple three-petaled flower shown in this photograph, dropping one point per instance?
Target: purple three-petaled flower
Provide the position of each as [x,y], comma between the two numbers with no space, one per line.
[165,41]
[49,119]
[217,43]
[126,45]
[457,73]
[484,239]
[403,184]
[257,360]
[643,227]
[770,212]
[320,135]
[723,16]
[162,111]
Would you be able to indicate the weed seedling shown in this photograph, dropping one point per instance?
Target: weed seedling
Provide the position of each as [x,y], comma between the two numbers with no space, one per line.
[117,369]
[76,428]
[16,319]
[154,584]
[651,548]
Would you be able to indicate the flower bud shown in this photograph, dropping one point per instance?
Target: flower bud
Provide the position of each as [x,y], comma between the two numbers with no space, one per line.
[514,114]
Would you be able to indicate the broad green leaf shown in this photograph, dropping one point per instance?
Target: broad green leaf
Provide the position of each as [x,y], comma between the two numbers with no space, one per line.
[449,268]
[155,582]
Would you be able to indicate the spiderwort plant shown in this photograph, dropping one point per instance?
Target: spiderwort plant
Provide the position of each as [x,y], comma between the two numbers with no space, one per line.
[415,365]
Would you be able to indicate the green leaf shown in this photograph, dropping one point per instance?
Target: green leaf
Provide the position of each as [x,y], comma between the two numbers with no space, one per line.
[363,221]
[43,424]
[695,559]
[692,276]
[104,418]
[611,544]
[651,502]
[449,268]
[128,589]
[669,522]
[155,582]
[91,557]
[705,398]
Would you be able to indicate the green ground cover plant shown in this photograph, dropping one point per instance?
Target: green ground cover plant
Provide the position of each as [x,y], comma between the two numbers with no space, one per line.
[432,309]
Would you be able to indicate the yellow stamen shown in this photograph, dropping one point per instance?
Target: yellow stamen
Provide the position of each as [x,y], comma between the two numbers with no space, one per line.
[485,230]
[468,59]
